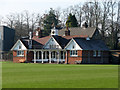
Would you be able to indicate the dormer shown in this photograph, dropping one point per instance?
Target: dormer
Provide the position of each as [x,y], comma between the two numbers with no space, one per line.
[54,31]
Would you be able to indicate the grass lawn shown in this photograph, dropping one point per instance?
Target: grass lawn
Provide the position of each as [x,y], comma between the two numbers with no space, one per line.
[29,75]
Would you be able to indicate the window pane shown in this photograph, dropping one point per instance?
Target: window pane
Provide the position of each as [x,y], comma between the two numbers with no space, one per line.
[99,53]
[76,52]
[22,52]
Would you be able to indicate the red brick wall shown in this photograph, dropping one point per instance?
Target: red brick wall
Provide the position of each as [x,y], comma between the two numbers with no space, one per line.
[86,56]
[71,60]
[30,56]
[18,59]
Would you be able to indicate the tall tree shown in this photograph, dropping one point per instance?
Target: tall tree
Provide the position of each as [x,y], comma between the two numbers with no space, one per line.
[71,21]
[50,19]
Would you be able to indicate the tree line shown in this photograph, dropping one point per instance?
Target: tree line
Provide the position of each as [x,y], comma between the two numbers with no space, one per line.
[103,15]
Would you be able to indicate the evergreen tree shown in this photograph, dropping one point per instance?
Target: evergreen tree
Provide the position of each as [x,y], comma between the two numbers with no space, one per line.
[50,19]
[71,21]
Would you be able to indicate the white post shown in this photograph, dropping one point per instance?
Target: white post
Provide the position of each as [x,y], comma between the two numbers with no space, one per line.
[34,56]
[46,55]
[63,56]
[58,57]
[42,55]
[38,55]
[49,56]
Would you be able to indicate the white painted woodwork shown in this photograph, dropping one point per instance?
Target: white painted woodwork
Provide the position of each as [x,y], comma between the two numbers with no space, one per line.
[52,41]
[49,56]
[42,55]
[72,44]
[54,31]
[38,55]
[34,56]
[63,56]
[16,46]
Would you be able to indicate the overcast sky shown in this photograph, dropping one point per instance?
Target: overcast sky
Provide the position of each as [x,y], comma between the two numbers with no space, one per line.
[12,6]
[35,6]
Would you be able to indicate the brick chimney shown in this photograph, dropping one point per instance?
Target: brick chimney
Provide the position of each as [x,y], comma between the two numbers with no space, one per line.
[85,25]
[67,32]
[38,32]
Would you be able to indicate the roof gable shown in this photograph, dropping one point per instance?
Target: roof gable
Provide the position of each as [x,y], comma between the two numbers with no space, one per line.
[17,44]
[72,45]
[52,42]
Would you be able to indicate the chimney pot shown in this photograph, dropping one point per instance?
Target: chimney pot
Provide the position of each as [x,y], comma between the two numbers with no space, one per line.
[67,32]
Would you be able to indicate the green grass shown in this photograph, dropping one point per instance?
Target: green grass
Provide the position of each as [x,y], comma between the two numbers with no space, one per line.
[28,75]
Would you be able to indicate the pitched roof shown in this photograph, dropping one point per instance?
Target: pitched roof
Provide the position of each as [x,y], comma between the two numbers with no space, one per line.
[79,31]
[61,41]
[91,44]
[42,40]
[35,44]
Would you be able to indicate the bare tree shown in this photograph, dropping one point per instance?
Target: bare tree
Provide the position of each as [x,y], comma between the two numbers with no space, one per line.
[112,14]
[78,13]
[105,15]
[10,20]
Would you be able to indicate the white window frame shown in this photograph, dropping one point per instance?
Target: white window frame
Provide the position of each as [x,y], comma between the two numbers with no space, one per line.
[73,53]
[94,53]
[20,53]
[99,53]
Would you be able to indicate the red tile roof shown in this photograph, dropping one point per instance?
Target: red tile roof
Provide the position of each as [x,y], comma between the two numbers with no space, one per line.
[42,40]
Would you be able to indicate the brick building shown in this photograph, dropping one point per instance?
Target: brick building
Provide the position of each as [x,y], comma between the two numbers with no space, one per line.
[70,46]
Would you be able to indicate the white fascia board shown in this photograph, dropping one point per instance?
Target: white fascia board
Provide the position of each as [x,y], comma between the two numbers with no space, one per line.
[17,43]
[70,42]
[49,40]
[77,44]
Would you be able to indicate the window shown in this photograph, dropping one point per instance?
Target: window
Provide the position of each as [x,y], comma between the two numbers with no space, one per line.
[73,46]
[20,53]
[19,46]
[94,53]
[73,53]
[53,46]
[99,53]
